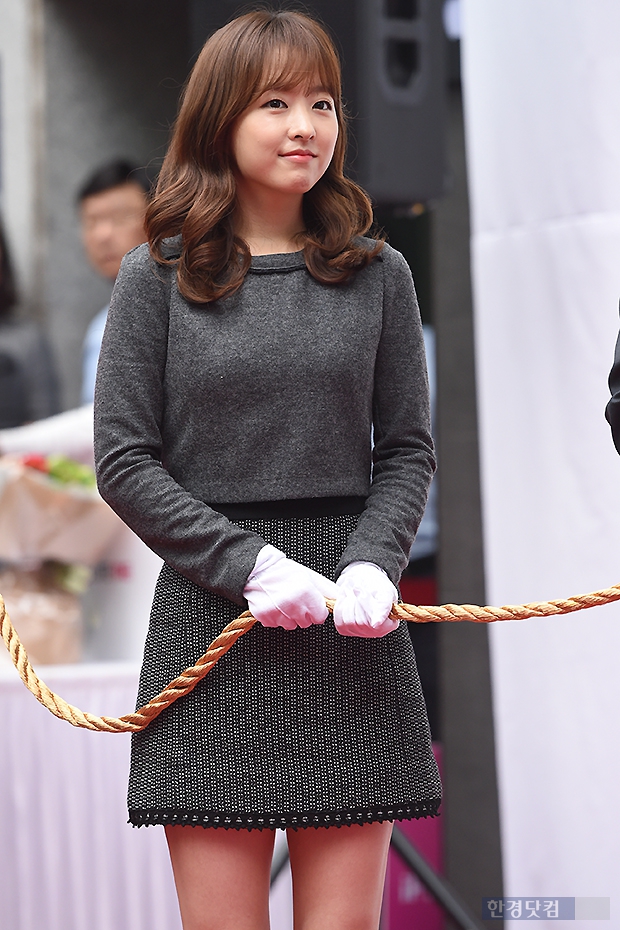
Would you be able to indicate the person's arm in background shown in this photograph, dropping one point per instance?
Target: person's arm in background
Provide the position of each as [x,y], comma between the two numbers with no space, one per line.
[69,434]
[612,410]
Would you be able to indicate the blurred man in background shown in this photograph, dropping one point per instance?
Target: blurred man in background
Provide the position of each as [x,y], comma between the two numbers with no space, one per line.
[112,205]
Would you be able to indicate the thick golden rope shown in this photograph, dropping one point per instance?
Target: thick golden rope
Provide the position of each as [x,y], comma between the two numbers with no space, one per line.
[187,680]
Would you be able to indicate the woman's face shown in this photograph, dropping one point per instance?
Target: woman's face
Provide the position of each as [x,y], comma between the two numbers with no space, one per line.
[284,141]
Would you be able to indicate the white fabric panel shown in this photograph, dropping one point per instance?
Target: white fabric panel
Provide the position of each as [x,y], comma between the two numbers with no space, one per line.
[68,858]
[542,102]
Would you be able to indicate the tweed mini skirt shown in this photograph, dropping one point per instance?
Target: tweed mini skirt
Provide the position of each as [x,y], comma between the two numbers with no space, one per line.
[289,729]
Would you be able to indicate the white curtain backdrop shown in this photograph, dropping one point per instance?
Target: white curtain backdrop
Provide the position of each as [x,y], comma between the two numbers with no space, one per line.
[68,859]
[542,105]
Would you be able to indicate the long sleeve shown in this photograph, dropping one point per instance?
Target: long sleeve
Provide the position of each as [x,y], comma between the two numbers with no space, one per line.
[129,408]
[403,455]
[612,411]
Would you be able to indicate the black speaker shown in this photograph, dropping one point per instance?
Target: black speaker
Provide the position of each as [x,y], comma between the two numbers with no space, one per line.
[393,56]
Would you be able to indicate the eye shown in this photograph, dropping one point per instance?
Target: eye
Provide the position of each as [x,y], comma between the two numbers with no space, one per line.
[323,105]
[275,104]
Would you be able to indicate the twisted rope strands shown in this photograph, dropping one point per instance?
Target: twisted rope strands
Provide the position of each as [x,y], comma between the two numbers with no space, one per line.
[457,612]
[129,723]
[187,680]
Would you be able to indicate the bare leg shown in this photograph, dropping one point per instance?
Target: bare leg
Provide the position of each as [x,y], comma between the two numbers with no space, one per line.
[338,876]
[222,877]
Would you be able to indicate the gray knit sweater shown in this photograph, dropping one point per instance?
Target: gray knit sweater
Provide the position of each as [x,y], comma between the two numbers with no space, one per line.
[271,394]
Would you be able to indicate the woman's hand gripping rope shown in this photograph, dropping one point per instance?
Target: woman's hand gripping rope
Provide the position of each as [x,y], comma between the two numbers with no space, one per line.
[282,592]
[188,680]
[365,600]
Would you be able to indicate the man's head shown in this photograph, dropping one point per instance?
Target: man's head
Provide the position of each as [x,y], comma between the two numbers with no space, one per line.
[112,204]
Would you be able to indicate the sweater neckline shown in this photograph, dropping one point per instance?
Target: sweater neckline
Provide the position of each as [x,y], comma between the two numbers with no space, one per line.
[278,261]
[261,264]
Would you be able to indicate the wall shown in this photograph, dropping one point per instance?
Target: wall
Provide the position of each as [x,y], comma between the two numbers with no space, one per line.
[95,111]
[21,121]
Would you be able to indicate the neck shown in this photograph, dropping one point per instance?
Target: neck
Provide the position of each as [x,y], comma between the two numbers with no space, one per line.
[269,222]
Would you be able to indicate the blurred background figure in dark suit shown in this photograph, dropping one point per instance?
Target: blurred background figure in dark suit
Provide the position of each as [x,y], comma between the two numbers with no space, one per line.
[28,389]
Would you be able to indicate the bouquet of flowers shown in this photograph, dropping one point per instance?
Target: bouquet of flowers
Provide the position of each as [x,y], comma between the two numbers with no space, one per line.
[54,527]
[50,509]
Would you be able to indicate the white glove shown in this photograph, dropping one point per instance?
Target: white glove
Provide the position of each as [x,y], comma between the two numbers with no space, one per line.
[365,598]
[281,592]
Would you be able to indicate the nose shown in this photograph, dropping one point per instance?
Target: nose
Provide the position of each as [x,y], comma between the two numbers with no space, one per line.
[104,230]
[101,230]
[301,124]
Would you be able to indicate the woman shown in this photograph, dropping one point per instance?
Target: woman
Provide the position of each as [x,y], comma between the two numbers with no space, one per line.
[251,350]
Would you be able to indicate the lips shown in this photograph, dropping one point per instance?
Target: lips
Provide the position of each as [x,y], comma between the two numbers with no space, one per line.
[301,154]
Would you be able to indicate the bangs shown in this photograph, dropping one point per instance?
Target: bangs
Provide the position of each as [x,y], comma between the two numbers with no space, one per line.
[306,67]
[260,51]
[288,50]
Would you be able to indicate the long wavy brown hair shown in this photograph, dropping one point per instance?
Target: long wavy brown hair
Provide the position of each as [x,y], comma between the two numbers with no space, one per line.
[196,191]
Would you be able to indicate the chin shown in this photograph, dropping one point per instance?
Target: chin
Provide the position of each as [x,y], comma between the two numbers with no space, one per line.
[109,271]
[302,186]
